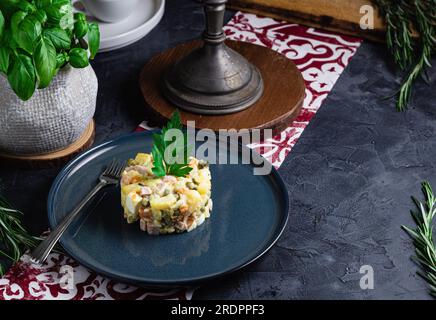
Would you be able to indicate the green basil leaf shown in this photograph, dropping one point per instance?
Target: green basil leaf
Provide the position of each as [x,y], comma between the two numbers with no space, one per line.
[80,28]
[42,3]
[40,15]
[79,16]
[59,38]
[32,23]
[4,59]
[93,39]
[8,7]
[44,58]
[60,14]
[78,58]
[61,60]
[16,18]
[25,31]
[30,30]
[61,2]
[2,25]
[26,6]
[53,15]
[8,40]
[21,76]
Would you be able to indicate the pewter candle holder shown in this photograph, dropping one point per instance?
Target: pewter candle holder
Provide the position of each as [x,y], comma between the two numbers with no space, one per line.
[213,79]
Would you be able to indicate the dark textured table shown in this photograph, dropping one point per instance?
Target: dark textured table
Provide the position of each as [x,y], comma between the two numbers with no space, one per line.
[350,176]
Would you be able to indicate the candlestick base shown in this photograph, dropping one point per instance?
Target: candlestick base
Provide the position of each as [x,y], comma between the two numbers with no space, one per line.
[278,106]
[213,80]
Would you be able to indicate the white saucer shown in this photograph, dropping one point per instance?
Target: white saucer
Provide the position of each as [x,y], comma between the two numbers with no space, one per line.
[136,26]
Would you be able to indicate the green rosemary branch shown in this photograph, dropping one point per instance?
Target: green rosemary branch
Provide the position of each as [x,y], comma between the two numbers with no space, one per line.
[422,236]
[14,239]
[411,54]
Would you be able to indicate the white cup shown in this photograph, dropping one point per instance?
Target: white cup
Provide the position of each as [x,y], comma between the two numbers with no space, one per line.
[110,10]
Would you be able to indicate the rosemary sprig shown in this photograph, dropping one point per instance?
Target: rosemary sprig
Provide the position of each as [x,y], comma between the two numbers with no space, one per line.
[14,239]
[409,53]
[422,236]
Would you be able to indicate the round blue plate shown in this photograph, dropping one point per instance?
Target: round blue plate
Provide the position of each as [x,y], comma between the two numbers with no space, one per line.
[249,214]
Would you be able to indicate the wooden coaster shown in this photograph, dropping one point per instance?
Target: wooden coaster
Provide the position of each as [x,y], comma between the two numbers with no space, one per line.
[53,159]
[343,16]
[280,103]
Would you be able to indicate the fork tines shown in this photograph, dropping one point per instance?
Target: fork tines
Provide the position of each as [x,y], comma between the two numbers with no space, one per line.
[114,169]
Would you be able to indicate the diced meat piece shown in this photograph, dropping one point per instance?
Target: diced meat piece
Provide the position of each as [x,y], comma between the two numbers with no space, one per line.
[145,191]
[183,208]
[143,225]
[181,225]
[170,179]
[153,230]
[145,213]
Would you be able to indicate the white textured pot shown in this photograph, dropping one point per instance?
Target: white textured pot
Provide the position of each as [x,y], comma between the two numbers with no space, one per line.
[53,118]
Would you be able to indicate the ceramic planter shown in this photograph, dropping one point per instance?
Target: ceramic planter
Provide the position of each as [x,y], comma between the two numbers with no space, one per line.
[53,118]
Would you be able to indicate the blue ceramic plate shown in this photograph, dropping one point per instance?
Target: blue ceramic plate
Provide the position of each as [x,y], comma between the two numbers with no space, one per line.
[249,214]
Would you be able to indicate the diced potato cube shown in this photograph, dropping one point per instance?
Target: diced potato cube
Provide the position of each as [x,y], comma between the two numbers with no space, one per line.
[130,188]
[162,203]
[193,198]
[126,189]
[131,177]
[203,188]
[143,158]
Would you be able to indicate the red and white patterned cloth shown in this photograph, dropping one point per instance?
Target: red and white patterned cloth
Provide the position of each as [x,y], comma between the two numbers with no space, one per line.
[320,56]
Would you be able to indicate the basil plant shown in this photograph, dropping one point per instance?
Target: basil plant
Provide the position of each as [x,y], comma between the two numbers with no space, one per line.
[39,37]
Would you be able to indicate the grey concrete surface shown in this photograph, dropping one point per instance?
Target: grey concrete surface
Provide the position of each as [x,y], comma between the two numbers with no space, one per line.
[350,178]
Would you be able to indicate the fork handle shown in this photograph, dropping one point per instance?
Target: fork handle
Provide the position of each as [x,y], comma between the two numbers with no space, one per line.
[41,252]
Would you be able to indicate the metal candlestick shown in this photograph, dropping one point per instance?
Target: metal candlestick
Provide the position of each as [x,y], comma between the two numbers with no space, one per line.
[213,79]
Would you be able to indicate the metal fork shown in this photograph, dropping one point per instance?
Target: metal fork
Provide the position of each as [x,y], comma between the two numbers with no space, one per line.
[110,176]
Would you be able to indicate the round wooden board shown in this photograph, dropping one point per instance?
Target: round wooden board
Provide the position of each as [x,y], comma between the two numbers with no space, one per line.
[280,103]
[53,159]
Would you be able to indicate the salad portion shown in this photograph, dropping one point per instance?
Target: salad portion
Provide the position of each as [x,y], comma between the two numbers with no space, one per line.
[165,204]
[167,197]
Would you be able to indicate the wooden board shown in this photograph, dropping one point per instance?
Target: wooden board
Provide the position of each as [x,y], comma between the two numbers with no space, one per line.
[53,159]
[280,103]
[341,16]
